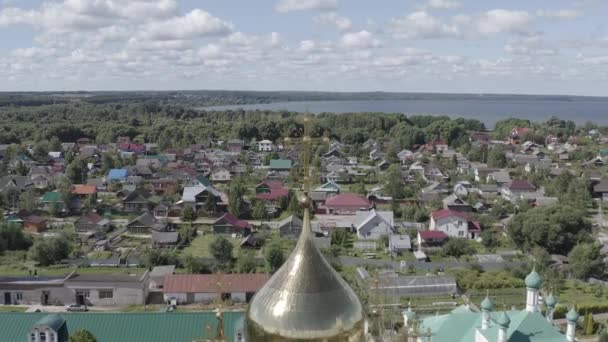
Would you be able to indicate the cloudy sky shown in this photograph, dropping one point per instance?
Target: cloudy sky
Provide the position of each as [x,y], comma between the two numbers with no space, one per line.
[531,46]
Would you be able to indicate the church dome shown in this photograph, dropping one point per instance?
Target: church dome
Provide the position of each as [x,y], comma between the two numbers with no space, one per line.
[572,316]
[550,301]
[305,300]
[534,280]
[487,305]
[503,320]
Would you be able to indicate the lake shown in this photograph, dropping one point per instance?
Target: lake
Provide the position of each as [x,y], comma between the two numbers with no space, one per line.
[580,110]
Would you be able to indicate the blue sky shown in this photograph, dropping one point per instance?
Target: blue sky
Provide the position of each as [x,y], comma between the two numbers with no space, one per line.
[534,47]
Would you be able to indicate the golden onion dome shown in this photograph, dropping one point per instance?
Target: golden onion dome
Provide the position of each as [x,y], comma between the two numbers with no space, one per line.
[305,300]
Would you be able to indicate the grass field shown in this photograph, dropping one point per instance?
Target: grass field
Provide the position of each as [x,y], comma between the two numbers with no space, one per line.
[199,247]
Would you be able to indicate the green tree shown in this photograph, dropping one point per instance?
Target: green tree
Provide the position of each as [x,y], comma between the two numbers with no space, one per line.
[189,214]
[76,171]
[557,228]
[395,187]
[274,257]
[235,197]
[490,239]
[246,262]
[589,327]
[50,251]
[586,260]
[294,207]
[259,210]
[82,336]
[221,250]
[12,238]
[457,248]
[29,200]
[209,205]
[340,237]
[497,157]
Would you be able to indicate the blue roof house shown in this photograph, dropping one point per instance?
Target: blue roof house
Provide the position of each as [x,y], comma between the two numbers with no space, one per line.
[117,175]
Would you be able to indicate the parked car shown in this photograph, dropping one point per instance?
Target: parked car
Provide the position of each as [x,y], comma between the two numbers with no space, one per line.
[76,308]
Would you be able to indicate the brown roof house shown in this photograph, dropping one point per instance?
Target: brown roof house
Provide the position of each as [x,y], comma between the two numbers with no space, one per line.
[146,224]
[205,288]
[92,222]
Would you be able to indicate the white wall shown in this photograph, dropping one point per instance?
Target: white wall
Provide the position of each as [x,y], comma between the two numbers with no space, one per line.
[453,226]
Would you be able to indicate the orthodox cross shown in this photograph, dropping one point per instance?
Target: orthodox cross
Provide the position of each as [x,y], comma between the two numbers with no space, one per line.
[307,142]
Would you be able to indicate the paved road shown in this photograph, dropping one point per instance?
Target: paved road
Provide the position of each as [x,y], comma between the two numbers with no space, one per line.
[488,266]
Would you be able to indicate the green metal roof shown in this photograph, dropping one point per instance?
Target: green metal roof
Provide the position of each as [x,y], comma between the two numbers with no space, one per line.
[53,321]
[51,197]
[462,326]
[126,327]
[282,164]
[534,280]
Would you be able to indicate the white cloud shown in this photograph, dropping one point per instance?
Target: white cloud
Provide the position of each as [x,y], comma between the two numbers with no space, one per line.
[494,22]
[560,14]
[421,25]
[443,4]
[532,45]
[359,40]
[195,24]
[285,6]
[332,18]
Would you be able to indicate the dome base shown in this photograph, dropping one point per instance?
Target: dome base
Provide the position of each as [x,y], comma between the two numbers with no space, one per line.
[255,333]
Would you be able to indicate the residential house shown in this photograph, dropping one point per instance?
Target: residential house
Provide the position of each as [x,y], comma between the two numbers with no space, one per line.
[20,183]
[480,137]
[230,224]
[430,238]
[265,146]
[146,224]
[198,196]
[271,191]
[405,156]
[220,174]
[372,224]
[596,161]
[34,290]
[347,204]
[514,190]
[92,222]
[280,165]
[161,239]
[53,201]
[290,227]
[208,288]
[453,202]
[108,289]
[161,211]
[462,188]
[399,244]
[437,145]
[235,145]
[164,186]
[517,134]
[601,190]
[329,189]
[32,223]
[41,177]
[117,175]
[82,193]
[499,177]
[138,200]
[454,224]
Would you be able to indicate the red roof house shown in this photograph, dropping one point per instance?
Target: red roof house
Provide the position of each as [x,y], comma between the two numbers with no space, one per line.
[84,190]
[429,238]
[347,204]
[271,190]
[454,224]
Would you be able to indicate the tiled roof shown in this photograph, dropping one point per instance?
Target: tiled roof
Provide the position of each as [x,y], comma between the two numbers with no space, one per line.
[433,235]
[439,214]
[208,283]
[273,194]
[348,200]
[84,189]
[521,185]
[233,220]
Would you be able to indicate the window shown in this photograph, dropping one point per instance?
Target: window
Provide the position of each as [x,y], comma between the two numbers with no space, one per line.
[84,293]
[106,294]
[461,233]
[19,296]
[459,223]
[42,337]
[33,337]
